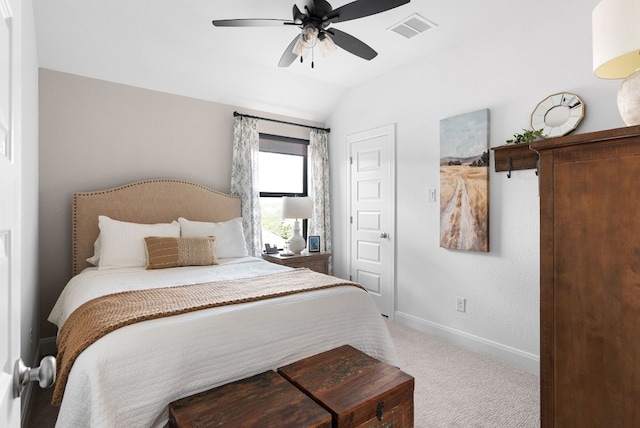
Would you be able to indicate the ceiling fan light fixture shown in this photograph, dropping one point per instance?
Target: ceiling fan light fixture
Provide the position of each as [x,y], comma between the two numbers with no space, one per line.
[326,44]
[309,36]
[299,49]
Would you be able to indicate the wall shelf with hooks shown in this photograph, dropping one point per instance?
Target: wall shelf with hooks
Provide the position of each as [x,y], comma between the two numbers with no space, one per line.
[513,157]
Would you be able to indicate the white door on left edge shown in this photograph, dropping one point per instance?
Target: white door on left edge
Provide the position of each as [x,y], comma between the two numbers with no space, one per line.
[372,208]
[9,225]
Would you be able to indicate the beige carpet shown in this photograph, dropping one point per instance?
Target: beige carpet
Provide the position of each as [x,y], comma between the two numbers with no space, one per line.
[456,387]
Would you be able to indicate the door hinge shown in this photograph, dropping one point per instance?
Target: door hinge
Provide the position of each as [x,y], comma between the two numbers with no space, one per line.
[351,219]
[350,160]
[350,278]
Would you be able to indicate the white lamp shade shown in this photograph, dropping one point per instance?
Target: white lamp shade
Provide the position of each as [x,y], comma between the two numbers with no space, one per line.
[616,38]
[297,207]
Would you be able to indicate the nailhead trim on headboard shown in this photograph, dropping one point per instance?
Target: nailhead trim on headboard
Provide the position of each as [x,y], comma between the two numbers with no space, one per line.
[151,201]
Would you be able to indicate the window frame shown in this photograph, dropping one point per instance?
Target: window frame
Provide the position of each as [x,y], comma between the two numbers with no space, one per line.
[270,143]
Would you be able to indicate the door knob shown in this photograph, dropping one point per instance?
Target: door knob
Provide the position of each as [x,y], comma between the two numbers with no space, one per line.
[384,235]
[45,374]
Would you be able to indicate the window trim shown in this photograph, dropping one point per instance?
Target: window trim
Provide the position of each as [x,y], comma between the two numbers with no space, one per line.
[272,145]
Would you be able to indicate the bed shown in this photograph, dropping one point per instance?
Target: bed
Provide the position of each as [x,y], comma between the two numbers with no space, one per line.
[128,375]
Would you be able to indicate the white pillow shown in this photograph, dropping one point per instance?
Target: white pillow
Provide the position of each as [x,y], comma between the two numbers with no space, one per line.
[229,235]
[123,242]
[97,248]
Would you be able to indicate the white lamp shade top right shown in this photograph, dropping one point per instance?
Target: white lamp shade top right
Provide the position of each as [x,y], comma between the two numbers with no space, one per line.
[616,38]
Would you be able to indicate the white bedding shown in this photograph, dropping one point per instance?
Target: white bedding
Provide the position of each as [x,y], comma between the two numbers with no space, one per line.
[128,377]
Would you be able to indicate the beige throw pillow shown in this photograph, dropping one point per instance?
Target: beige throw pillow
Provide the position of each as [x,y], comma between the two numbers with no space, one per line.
[168,252]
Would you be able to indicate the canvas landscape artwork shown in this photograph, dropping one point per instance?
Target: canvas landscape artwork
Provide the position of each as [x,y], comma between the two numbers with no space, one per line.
[464,181]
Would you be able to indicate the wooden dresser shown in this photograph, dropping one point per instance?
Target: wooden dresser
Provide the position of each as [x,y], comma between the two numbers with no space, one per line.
[590,279]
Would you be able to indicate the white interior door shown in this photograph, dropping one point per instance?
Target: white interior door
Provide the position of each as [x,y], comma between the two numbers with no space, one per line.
[9,224]
[372,212]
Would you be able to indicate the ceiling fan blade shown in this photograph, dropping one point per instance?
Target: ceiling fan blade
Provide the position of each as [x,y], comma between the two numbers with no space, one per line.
[251,22]
[362,8]
[288,56]
[321,7]
[351,44]
[298,16]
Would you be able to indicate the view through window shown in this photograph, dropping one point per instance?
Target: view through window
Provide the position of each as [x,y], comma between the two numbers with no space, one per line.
[282,172]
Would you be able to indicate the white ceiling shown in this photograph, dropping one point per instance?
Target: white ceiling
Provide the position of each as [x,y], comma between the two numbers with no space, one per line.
[171,46]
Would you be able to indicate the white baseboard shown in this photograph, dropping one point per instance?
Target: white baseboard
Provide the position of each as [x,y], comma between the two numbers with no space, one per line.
[516,357]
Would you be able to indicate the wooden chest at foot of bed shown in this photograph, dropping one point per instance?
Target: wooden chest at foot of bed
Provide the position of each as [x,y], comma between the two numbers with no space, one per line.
[358,390]
[264,400]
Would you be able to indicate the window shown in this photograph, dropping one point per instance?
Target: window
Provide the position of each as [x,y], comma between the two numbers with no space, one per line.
[283,172]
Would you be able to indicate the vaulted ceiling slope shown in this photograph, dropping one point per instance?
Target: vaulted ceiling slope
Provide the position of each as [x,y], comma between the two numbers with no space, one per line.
[172,46]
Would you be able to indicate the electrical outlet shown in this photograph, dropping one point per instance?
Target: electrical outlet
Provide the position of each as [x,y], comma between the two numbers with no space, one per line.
[461,304]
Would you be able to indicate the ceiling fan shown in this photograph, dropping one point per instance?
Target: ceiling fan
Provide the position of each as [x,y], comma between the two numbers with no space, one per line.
[315,27]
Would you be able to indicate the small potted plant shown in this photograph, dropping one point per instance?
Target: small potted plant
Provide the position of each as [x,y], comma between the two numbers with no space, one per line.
[527,136]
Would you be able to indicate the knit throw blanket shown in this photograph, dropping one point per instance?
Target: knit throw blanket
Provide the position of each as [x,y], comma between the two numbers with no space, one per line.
[102,315]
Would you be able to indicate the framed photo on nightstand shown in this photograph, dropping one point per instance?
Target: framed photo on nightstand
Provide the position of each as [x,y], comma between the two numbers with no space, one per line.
[314,244]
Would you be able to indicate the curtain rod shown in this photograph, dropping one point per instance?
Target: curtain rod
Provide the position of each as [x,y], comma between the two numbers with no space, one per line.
[235,113]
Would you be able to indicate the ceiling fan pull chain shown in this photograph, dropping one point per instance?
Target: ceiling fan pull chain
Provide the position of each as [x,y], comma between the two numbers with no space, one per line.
[312,51]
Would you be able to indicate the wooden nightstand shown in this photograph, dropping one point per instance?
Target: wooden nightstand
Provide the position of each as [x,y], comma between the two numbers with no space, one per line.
[318,262]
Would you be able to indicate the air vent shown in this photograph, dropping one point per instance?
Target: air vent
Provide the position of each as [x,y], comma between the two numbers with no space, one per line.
[412,26]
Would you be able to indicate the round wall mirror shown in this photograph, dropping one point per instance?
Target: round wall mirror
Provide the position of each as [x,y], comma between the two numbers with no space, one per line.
[558,114]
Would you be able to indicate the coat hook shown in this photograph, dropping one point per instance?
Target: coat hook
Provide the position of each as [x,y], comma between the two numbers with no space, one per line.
[510,165]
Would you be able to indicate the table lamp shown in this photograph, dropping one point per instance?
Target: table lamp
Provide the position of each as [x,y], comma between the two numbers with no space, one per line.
[297,208]
[616,51]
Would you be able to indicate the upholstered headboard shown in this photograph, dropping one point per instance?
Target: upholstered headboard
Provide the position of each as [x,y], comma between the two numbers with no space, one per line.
[150,201]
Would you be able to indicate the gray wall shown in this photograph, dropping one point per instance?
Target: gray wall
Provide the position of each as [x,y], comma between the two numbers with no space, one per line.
[96,134]
[544,48]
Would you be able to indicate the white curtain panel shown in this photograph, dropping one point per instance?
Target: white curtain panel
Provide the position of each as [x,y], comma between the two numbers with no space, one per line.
[318,161]
[244,179]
